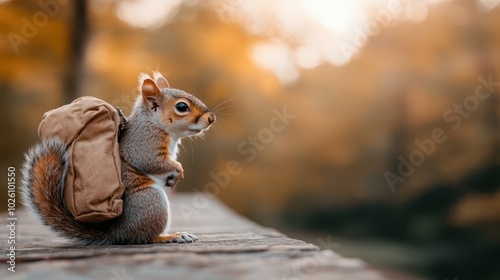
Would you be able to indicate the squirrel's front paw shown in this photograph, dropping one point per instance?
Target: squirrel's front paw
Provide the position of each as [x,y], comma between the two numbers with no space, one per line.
[175,176]
[178,237]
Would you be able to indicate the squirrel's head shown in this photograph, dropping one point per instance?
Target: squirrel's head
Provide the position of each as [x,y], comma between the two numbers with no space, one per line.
[179,113]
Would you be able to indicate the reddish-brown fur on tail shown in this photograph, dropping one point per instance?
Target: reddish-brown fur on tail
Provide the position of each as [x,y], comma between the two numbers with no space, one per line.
[42,188]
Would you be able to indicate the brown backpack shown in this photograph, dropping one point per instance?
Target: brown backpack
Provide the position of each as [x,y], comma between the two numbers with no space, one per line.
[90,128]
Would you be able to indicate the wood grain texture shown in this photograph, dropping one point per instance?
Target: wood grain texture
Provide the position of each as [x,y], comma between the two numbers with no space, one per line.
[230,247]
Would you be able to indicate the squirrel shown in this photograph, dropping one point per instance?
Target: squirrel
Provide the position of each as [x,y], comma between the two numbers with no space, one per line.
[161,116]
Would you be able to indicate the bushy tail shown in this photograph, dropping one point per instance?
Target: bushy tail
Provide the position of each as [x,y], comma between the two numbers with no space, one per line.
[42,185]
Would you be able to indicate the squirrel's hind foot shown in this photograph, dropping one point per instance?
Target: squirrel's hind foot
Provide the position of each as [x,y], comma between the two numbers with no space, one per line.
[178,237]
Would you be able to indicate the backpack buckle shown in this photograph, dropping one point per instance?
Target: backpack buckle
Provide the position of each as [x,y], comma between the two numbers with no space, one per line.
[123,121]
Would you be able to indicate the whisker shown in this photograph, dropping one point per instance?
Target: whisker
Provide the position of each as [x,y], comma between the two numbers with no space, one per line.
[224,102]
[226,114]
[220,119]
[182,145]
[197,136]
[218,126]
[217,130]
[223,108]
[192,150]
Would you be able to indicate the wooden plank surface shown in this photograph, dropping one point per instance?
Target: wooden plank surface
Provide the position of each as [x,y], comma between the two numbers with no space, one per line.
[230,247]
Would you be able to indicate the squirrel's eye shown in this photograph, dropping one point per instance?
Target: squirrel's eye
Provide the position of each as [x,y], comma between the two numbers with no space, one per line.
[182,107]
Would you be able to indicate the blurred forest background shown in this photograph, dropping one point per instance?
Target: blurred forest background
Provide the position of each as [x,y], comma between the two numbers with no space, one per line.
[370,84]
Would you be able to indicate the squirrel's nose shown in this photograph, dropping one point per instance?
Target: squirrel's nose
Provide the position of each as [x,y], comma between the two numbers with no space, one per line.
[211,118]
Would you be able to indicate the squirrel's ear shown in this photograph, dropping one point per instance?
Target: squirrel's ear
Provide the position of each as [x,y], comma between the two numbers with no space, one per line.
[162,82]
[151,94]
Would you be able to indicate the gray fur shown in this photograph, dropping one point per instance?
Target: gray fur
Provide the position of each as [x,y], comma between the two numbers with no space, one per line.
[140,139]
[145,212]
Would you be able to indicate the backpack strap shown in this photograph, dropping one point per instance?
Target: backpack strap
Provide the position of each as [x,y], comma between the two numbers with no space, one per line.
[123,122]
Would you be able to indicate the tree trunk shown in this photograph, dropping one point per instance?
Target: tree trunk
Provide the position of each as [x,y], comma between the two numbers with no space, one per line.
[78,35]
